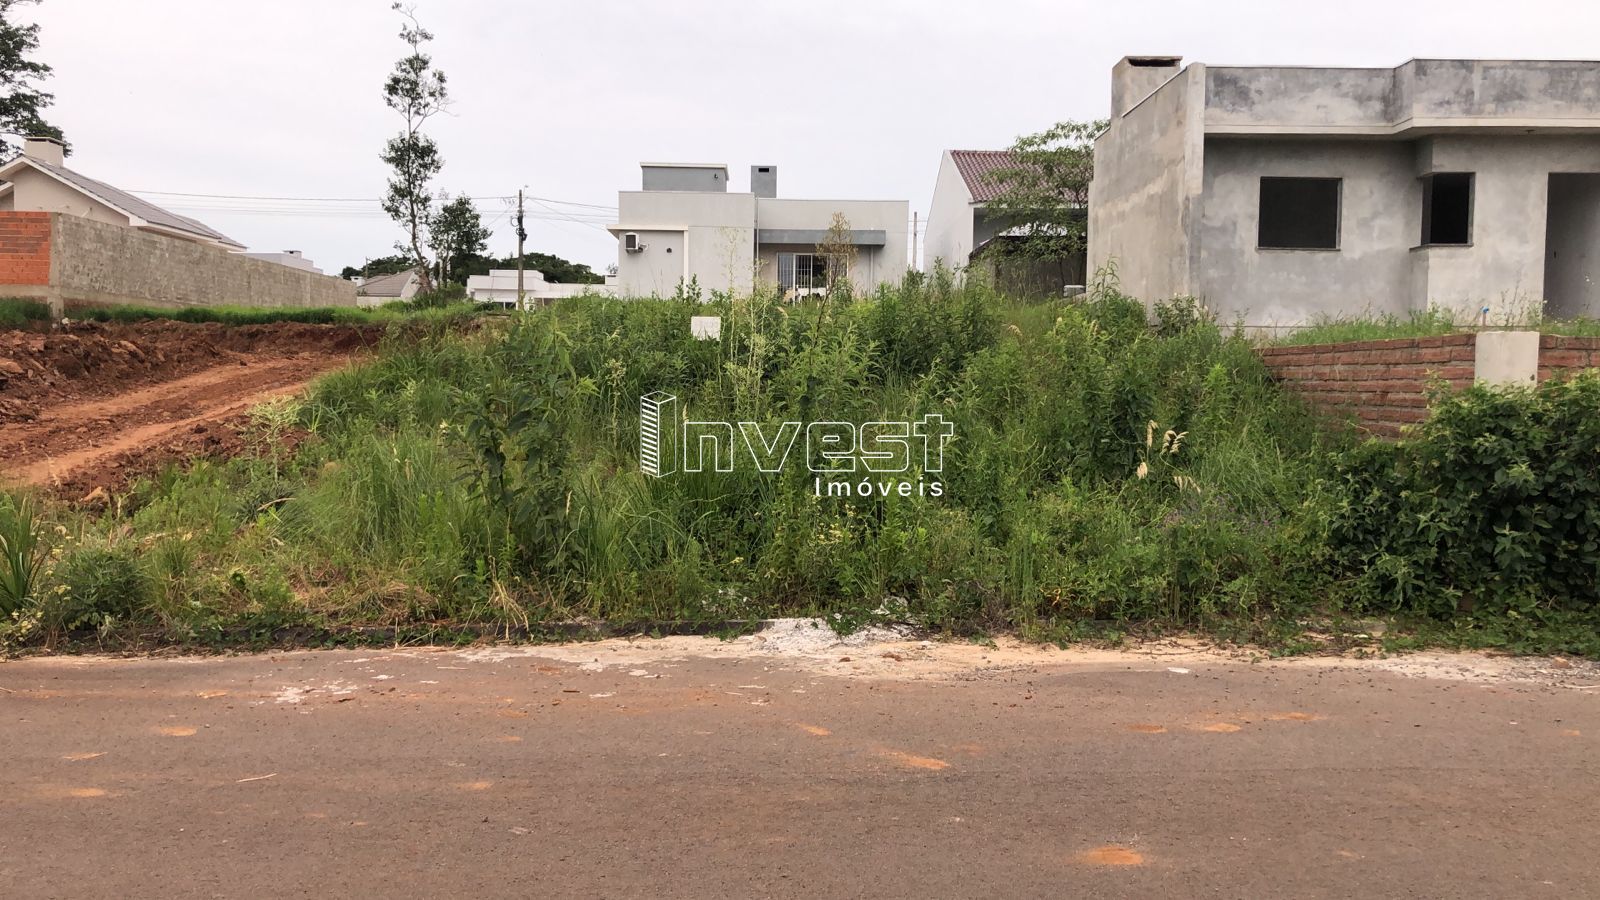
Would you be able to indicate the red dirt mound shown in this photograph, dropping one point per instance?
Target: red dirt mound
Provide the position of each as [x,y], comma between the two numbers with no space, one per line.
[93,359]
[95,405]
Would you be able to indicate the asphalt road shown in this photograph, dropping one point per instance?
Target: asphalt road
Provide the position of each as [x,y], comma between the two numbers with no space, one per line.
[657,772]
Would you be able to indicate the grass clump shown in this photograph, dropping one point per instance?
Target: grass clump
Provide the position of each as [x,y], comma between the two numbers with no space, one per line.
[18,312]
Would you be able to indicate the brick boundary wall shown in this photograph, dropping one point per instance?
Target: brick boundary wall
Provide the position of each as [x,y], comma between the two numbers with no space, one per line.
[25,248]
[68,260]
[1382,386]
[1559,355]
[1379,385]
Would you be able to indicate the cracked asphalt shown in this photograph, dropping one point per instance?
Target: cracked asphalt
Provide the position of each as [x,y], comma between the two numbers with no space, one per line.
[684,769]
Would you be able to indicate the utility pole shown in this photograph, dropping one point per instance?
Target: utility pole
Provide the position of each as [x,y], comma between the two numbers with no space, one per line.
[916,225]
[522,235]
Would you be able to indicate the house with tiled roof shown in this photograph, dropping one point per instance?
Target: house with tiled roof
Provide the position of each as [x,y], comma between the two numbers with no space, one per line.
[957,223]
[39,181]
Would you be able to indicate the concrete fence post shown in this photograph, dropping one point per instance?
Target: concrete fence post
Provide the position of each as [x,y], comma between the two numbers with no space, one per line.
[1506,358]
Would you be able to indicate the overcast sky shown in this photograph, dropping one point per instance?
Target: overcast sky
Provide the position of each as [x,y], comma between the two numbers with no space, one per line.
[849,98]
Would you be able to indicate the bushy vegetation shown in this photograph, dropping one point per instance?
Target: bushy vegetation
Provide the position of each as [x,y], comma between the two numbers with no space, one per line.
[1490,507]
[19,312]
[1106,470]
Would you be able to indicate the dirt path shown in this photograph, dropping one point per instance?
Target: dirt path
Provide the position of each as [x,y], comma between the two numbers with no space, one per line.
[71,437]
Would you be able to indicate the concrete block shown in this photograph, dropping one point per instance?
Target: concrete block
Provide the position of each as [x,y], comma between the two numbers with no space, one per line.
[1506,358]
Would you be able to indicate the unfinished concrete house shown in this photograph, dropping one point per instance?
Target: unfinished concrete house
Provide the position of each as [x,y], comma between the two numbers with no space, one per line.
[1281,195]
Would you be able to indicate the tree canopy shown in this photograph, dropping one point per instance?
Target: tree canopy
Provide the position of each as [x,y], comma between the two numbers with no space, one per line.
[1044,195]
[22,102]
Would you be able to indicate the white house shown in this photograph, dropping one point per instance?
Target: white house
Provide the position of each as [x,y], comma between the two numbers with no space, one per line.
[381,289]
[499,287]
[39,181]
[685,225]
[957,223]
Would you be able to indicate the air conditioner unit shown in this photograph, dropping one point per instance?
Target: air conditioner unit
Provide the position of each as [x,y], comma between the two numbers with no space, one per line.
[630,242]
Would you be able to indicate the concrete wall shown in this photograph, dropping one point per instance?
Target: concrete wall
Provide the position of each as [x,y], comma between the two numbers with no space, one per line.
[948,236]
[1423,93]
[1504,267]
[1144,199]
[1380,221]
[93,262]
[684,178]
[1572,247]
[714,242]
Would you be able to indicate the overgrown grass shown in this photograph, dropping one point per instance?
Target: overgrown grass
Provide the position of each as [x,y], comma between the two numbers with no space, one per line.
[1429,323]
[18,312]
[1105,472]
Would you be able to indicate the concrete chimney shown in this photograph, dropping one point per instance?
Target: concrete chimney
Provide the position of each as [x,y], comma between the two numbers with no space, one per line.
[764,181]
[47,150]
[1137,77]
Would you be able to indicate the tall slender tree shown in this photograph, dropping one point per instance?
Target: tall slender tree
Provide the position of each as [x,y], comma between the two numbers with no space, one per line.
[416,90]
[22,102]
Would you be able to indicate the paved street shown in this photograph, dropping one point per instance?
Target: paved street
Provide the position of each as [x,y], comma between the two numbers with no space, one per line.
[698,768]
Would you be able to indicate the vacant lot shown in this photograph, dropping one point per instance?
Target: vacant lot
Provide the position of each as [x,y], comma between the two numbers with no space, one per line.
[788,765]
[97,403]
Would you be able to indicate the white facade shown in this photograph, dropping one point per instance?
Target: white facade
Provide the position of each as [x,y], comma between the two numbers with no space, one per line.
[686,227]
[291,258]
[499,287]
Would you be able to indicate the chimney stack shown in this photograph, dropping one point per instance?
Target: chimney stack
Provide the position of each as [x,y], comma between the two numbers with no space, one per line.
[1137,77]
[47,150]
[764,181]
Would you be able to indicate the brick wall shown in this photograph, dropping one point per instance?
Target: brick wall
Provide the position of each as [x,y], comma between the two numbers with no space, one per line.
[68,259]
[1379,385]
[25,248]
[1567,355]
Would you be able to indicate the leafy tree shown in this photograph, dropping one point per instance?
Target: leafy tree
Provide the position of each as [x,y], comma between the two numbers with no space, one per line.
[554,269]
[415,90]
[1044,197]
[21,100]
[383,265]
[456,233]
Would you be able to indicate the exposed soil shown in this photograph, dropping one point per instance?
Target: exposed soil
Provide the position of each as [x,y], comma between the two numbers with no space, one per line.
[95,405]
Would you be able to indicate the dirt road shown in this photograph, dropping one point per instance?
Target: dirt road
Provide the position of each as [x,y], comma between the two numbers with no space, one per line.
[763,767]
[92,406]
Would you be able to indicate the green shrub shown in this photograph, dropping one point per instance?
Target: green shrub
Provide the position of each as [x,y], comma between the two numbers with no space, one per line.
[1491,504]
[97,586]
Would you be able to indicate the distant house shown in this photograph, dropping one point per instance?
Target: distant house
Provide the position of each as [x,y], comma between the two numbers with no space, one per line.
[499,288]
[381,289]
[685,225]
[1281,195]
[961,229]
[294,259]
[957,219]
[39,181]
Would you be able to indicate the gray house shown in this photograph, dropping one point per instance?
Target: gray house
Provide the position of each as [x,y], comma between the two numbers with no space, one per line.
[1279,195]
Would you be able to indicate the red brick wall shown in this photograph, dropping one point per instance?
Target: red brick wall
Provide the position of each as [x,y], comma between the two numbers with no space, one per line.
[24,248]
[1567,355]
[1381,385]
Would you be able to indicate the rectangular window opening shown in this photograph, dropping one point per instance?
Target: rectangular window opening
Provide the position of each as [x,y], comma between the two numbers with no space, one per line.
[1447,209]
[802,271]
[1299,214]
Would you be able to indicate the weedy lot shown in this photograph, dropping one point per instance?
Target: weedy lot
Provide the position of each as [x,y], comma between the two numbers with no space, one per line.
[1109,472]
